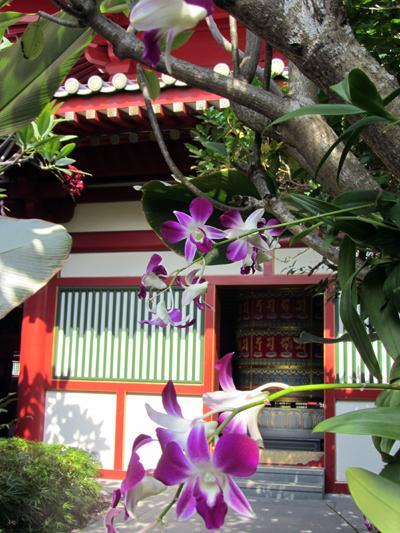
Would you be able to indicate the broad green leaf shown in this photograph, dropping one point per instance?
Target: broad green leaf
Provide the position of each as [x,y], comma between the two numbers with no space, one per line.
[391,472]
[357,198]
[390,97]
[115,6]
[391,287]
[160,200]
[319,109]
[27,86]
[376,497]
[350,318]
[31,252]
[152,83]
[218,148]
[32,41]
[387,398]
[178,41]
[297,238]
[381,312]
[311,205]
[364,94]
[342,89]
[378,421]
[394,214]
[7,18]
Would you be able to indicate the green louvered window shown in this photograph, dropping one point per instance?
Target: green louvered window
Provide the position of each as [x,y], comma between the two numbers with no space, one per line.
[99,338]
[350,368]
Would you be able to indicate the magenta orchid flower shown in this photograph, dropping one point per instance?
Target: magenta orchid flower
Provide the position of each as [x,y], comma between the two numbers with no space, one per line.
[195,288]
[240,248]
[230,398]
[174,427]
[192,228]
[208,487]
[164,317]
[153,277]
[136,486]
[157,18]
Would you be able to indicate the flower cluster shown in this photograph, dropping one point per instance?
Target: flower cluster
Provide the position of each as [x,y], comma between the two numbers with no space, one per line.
[73,181]
[248,241]
[204,475]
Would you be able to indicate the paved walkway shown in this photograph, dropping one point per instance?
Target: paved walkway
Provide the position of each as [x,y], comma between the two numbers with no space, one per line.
[331,515]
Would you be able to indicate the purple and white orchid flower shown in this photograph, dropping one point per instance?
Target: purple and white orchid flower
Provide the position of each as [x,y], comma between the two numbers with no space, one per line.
[153,277]
[164,317]
[157,18]
[195,288]
[230,398]
[192,228]
[208,487]
[241,248]
[174,427]
[136,486]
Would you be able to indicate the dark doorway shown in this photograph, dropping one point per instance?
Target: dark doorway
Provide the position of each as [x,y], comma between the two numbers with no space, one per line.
[10,340]
[261,325]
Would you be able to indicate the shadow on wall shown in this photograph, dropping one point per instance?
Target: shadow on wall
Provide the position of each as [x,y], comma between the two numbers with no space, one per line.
[64,423]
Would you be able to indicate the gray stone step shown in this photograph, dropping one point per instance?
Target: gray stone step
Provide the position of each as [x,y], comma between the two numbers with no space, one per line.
[285,483]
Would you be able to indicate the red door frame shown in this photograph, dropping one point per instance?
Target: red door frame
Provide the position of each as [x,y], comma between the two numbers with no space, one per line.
[37,344]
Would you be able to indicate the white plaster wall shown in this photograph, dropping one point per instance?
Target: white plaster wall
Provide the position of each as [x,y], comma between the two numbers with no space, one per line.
[82,419]
[131,264]
[355,450]
[108,216]
[297,261]
[137,422]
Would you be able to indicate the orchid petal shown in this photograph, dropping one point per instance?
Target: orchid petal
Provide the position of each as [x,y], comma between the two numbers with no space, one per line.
[186,505]
[238,424]
[214,233]
[197,446]
[155,260]
[194,291]
[214,516]
[204,246]
[208,5]
[275,231]
[190,250]
[236,500]
[183,218]
[231,219]
[201,209]
[152,52]
[149,486]
[170,422]
[253,218]
[116,496]
[172,231]
[243,462]
[109,519]
[175,315]
[252,423]
[149,14]
[173,467]
[224,399]
[169,400]
[152,281]
[224,367]
[164,437]
[134,474]
[237,250]
[186,324]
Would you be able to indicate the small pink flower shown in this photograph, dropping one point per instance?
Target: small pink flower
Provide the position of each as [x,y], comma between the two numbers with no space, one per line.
[73,182]
[154,276]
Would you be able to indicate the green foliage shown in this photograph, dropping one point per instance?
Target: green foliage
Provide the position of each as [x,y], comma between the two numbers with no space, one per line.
[376,24]
[46,488]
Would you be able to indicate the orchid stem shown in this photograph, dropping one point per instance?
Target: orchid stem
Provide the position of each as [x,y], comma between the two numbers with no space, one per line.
[170,505]
[302,388]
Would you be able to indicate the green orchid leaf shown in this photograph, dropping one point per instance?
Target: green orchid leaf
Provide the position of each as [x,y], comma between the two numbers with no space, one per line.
[26,86]
[387,398]
[152,83]
[217,148]
[300,236]
[391,286]
[348,312]
[376,497]
[31,252]
[342,89]
[319,109]
[306,337]
[378,421]
[365,95]
[391,471]
[179,40]
[390,97]
[308,204]
[160,200]
[7,18]
[32,41]
[382,313]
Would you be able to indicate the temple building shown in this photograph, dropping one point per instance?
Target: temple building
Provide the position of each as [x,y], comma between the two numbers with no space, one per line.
[83,365]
